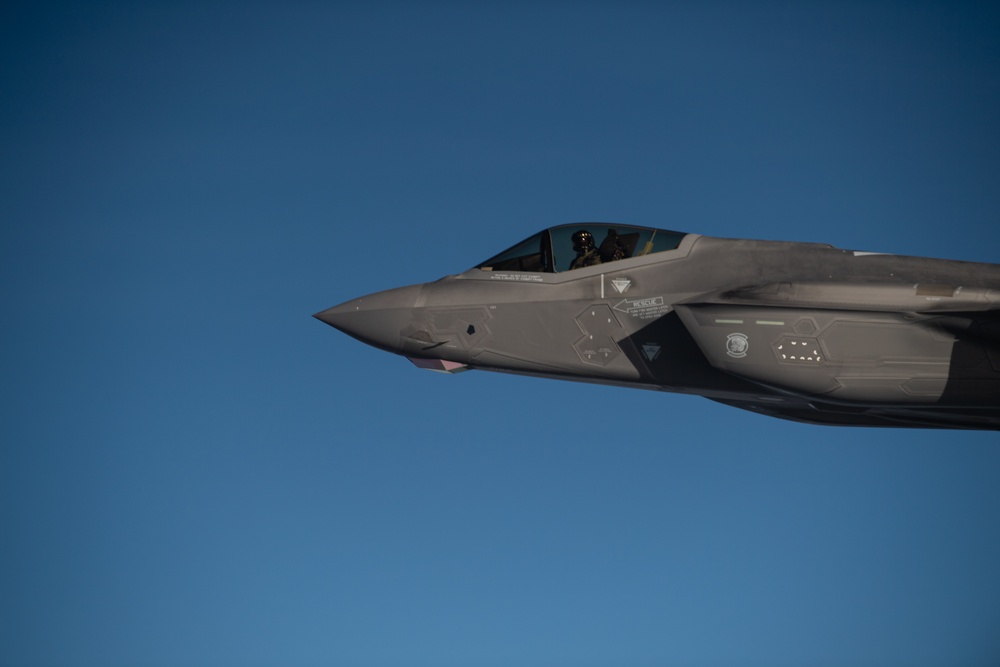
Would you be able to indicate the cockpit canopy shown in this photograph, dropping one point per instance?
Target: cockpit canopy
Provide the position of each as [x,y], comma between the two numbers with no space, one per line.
[564,248]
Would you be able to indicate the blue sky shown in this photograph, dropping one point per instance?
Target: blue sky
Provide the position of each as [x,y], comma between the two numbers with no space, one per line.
[193,471]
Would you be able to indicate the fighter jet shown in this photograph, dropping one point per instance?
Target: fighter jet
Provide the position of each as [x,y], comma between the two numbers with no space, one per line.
[801,331]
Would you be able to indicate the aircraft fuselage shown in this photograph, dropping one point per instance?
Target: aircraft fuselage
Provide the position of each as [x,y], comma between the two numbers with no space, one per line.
[795,330]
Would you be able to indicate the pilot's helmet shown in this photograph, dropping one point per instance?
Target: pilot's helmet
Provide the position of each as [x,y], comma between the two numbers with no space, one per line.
[583,241]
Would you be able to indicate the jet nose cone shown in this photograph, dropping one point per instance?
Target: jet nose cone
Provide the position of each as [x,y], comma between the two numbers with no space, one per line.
[376,319]
[338,317]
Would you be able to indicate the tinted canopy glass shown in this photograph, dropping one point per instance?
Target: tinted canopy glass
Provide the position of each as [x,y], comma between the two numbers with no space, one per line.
[581,244]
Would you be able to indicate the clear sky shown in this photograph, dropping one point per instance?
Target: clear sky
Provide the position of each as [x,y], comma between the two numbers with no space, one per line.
[193,471]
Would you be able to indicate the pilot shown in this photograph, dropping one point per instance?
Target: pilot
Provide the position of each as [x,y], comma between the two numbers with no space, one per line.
[586,252]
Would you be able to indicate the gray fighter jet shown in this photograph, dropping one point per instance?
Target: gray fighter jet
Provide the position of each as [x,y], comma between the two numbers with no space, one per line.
[800,331]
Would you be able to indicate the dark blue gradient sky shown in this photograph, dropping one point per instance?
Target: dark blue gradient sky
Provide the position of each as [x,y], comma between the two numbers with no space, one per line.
[193,471]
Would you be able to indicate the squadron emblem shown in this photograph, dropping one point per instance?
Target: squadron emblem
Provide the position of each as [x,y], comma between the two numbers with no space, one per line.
[737,345]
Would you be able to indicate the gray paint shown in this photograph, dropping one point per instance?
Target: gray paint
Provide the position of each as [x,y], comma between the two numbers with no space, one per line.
[801,331]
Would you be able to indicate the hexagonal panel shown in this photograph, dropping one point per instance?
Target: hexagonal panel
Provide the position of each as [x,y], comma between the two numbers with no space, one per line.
[597,345]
